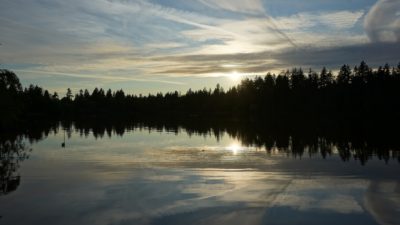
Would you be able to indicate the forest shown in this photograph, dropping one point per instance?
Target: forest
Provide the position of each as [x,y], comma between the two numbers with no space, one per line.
[361,94]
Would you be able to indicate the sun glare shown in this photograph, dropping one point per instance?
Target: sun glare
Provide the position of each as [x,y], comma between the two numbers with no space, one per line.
[234,148]
[235,76]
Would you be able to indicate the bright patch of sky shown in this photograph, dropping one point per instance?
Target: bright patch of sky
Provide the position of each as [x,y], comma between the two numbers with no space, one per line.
[146,46]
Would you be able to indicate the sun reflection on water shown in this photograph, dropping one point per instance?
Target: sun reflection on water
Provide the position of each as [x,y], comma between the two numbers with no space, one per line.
[235,148]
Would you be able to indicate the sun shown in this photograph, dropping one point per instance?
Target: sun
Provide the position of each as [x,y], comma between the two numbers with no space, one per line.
[235,76]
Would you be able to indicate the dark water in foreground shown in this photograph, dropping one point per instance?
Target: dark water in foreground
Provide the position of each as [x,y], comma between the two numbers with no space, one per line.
[159,175]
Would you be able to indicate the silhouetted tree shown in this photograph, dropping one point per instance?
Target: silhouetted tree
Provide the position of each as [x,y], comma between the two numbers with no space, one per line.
[360,95]
[10,98]
[344,76]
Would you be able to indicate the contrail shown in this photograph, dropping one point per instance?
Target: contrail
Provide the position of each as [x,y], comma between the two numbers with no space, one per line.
[276,28]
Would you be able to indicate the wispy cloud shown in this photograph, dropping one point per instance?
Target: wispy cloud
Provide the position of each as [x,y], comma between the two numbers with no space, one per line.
[336,19]
[382,22]
[262,62]
[116,40]
[97,77]
[243,6]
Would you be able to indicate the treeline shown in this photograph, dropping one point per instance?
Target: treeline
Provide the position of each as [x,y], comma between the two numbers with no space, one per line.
[361,93]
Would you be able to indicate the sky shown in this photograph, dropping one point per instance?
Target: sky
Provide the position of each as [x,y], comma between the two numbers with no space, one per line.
[146,46]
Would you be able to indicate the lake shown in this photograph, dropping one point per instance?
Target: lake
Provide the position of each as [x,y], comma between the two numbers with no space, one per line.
[175,174]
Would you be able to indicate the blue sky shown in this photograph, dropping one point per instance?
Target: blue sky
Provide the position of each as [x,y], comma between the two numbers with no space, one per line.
[147,46]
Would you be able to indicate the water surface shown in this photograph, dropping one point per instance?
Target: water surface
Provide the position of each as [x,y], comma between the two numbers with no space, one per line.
[163,175]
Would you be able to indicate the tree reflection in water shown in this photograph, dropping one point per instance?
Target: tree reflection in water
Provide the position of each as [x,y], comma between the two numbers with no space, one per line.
[12,153]
[295,141]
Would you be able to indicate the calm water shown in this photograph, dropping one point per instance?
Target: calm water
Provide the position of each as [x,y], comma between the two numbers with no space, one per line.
[137,175]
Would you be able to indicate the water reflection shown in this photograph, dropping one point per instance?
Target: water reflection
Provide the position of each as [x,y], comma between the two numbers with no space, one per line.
[297,143]
[178,173]
[12,153]
[348,143]
[235,148]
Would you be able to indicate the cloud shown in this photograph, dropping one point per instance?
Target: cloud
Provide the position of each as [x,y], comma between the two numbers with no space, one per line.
[165,45]
[373,53]
[337,20]
[256,34]
[97,77]
[243,6]
[143,39]
[265,61]
[382,23]
[341,19]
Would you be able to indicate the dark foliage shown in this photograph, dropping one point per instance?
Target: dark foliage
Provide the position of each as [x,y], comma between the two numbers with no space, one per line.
[361,95]
[12,153]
